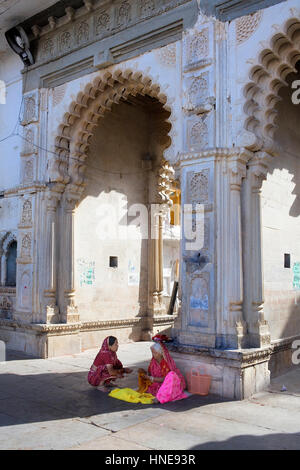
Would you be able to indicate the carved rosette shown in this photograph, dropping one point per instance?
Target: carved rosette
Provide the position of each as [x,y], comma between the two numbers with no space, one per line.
[198,47]
[25,248]
[47,49]
[65,41]
[29,138]
[102,22]
[198,134]
[198,89]
[30,108]
[26,216]
[82,32]
[123,14]
[198,187]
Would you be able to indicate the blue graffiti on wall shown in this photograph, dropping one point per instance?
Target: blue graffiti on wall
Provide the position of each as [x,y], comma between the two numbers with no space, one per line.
[86,270]
[296,278]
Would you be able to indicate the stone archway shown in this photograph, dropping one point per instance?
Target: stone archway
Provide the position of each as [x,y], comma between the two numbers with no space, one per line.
[66,175]
[268,76]
[274,63]
[80,122]
[5,243]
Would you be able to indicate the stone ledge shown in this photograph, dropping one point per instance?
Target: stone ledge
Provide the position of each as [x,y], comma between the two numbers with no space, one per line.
[65,328]
[7,290]
[283,344]
[237,357]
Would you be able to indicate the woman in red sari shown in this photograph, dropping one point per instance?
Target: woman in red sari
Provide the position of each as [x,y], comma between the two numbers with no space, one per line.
[106,367]
[167,382]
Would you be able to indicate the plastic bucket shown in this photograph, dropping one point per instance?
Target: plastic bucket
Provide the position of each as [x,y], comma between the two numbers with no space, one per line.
[198,383]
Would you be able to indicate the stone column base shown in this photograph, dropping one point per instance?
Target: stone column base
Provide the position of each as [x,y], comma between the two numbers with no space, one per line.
[236,373]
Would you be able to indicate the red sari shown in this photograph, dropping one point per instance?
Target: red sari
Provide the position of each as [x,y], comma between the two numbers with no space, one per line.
[172,387]
[98,373]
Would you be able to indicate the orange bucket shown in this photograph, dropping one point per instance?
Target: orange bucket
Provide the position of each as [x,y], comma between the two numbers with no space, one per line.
[197,382]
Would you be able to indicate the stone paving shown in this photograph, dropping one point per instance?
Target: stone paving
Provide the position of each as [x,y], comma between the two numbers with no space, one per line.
[48,404]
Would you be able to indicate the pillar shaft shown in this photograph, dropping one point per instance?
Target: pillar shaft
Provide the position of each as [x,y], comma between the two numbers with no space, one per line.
[236,326]
[69,312]
[50,257]
[258,328]
[212,275]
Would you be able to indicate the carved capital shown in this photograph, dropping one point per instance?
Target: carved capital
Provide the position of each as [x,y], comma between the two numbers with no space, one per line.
[258,168]
[70,199]
[52,199]
[237,167]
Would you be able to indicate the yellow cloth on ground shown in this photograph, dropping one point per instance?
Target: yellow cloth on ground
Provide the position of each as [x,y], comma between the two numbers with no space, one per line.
[127,394]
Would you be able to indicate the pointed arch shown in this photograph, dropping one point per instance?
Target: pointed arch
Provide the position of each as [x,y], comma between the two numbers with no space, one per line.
[81,120]
[274,63]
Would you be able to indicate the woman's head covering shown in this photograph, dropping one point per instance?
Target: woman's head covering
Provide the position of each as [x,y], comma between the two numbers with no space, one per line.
[105,344]
[106,355]
[169,360]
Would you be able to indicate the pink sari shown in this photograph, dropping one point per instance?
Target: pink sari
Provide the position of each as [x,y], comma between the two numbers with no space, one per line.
[98,373]
[172,387]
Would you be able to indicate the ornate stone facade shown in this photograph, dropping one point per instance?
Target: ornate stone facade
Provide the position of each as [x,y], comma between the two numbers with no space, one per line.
[206,98]
[92,24]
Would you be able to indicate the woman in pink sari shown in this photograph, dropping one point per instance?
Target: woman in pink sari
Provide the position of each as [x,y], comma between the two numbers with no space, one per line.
[167,381]
[106,366]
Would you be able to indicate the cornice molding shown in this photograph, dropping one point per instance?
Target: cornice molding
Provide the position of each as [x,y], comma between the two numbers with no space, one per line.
[75,328]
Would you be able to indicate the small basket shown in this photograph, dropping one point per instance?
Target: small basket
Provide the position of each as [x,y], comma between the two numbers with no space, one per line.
[198,382]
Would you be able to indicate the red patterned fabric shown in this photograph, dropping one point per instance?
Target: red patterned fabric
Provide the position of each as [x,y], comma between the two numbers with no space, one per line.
[98,372]
[173,385]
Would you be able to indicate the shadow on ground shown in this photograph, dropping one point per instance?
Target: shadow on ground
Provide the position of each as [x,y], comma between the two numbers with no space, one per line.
[282,441]
[36,397]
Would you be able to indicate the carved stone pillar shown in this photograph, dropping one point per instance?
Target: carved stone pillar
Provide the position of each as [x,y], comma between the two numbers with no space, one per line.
[258,328]
[50,295]
[3,268]
[69,311]
[235,325]
[158,212]
[212,269]
[156,279]
[197,271]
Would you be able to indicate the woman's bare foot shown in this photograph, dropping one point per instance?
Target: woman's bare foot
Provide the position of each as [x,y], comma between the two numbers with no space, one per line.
[103,388]
[109,385]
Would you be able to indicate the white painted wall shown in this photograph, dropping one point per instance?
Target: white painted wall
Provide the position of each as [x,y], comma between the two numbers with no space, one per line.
[10,73]
[118,146]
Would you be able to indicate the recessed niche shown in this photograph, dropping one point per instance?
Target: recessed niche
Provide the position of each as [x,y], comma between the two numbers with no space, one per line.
[287,260]
[113,261]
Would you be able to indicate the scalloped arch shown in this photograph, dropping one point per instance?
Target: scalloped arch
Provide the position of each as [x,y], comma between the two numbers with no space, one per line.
[275,62]
[6,241]
[79,123]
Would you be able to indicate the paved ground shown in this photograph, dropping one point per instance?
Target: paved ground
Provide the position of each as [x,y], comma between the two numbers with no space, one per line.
[48,404]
